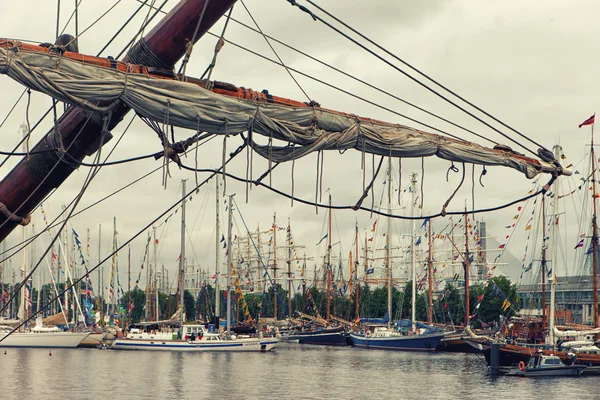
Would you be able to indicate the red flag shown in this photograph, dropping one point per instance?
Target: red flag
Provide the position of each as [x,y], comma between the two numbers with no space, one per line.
[588,121]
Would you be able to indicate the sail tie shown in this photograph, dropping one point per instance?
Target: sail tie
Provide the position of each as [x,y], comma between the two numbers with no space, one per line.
[443,212]
[14,217]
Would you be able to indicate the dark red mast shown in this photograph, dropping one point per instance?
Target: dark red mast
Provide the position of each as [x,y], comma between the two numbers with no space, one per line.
[35,176]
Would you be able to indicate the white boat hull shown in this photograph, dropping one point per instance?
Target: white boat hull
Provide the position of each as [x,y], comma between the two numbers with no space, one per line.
[93,340]
[43,339]
[261,345]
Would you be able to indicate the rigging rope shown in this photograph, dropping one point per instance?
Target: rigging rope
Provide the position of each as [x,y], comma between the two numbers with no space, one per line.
[317,18]
[368,84]
[275,52]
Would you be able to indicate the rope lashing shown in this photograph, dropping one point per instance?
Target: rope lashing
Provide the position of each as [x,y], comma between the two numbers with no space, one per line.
[24,221]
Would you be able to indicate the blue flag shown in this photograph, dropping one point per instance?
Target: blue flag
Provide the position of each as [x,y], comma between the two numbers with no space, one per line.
[323,238]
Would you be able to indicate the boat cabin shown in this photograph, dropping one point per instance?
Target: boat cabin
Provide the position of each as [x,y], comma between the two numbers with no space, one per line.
[542,361]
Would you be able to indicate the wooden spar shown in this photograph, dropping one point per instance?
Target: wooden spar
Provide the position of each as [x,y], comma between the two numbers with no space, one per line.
[289,263]
[21,190]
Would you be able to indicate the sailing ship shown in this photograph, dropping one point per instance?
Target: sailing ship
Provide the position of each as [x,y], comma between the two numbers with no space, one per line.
[511,353]
[425,338]
[194,337]
[108,89]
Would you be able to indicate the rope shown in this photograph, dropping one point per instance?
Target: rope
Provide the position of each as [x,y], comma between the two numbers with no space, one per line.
[190,45]
[75,283]
[349,207]
[275,52]
[128,46]
[348,93]
[367,83]
[293,2]
[455,190]
[57,17]
[218,46]
[93,23]
[422,179]
[121,28]
[366,191]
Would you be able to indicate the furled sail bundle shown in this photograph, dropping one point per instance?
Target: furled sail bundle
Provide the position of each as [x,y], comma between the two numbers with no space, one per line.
[86,82]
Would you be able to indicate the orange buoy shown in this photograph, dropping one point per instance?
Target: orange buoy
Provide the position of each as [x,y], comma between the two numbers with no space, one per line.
[521,366]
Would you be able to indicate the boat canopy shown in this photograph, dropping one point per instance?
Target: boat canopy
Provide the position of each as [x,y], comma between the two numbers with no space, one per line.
[68,78]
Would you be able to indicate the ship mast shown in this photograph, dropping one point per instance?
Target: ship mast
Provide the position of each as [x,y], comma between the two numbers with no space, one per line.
[557,151]
[388,241]
[594,235]
[356,273]
[182,259]
[217,251]
[328,266]
[467,272]
[275,266]
[229,249]
[414,252]
[289,272]
[544,261]
[430,272]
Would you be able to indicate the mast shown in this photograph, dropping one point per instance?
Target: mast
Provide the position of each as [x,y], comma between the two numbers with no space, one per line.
[329,263]
[594,235]
[289,238]
[430,271]
[275,266]
[414,252]
[356,272]
[182,259]
[217,251]
[388,241]
[229,226]
[544,261]
[557,151]
[467,272]
[160,48]
[100,275]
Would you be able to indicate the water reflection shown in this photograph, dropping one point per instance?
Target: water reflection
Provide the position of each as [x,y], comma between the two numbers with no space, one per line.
[293,371]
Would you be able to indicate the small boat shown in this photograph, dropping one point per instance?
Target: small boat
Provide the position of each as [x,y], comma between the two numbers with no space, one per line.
[193,338]
[542,365]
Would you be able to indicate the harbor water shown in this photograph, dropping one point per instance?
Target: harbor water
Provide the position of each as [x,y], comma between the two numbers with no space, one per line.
[291,372]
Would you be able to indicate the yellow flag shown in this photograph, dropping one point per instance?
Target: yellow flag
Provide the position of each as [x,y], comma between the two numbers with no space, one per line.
[528,228]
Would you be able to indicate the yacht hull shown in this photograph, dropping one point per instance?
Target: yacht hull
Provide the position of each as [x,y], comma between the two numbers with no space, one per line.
[260,345]
[43,340]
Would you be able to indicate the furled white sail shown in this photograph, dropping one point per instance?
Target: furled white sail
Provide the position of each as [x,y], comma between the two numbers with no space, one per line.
[190,106]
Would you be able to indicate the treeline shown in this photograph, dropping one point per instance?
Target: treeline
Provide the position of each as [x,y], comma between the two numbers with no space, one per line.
[499,297]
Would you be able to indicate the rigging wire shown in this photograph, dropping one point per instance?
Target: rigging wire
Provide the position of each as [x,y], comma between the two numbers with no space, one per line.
[144,229]
[347,92]
[94,23]
[426,76]
[275,52]
[54,223]
[338,70]
[315,17]
[78,198]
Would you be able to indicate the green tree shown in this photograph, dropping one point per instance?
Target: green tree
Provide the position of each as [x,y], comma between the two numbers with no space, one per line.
[494,299]
[190,306]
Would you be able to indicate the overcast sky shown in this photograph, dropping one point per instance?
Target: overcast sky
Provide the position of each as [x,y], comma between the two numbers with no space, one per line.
[531,64]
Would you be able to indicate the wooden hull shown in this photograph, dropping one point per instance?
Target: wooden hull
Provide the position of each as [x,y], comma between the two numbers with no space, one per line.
[511,355]
[406,343]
